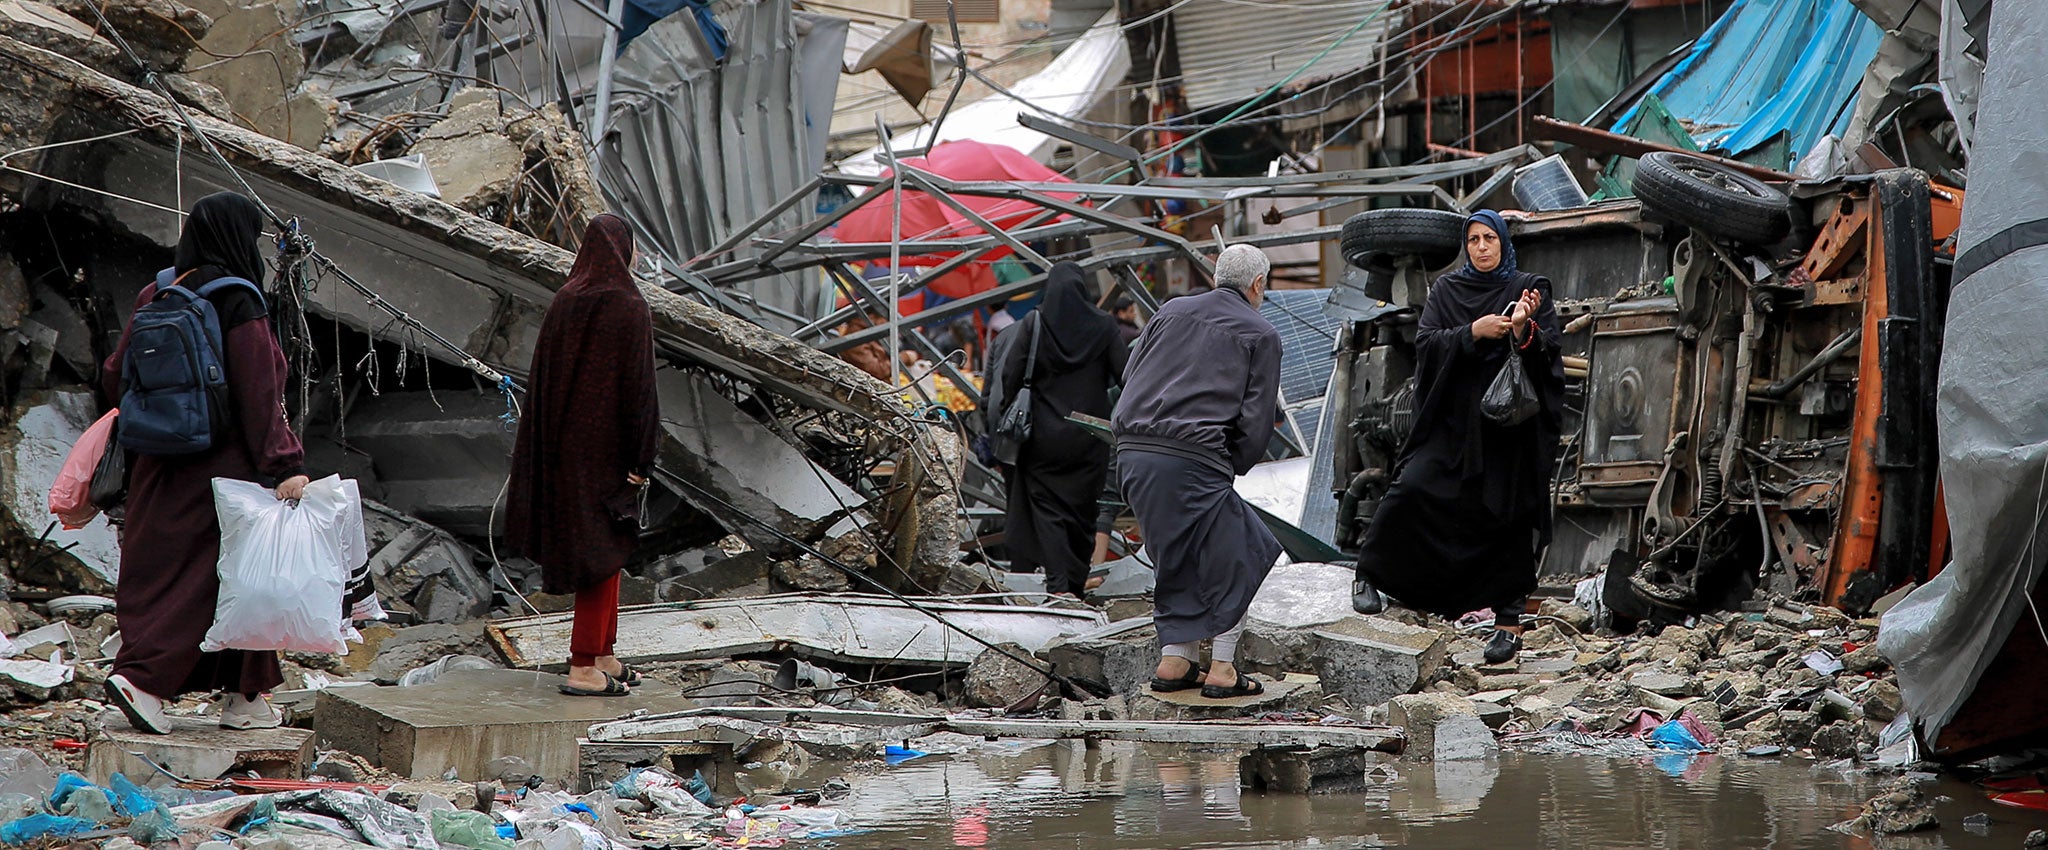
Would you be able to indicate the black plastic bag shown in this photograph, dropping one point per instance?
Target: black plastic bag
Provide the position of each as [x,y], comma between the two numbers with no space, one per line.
[1511,398]
[109,490]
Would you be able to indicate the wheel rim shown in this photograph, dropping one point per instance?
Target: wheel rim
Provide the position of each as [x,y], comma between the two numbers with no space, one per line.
[1717,177]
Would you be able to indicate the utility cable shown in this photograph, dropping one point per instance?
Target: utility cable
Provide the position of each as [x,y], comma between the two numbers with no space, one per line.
[291,239]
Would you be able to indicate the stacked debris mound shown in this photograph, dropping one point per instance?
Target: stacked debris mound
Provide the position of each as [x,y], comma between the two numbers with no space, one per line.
[514,165]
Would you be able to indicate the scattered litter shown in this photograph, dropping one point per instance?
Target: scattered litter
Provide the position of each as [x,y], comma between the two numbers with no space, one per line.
[1820,662]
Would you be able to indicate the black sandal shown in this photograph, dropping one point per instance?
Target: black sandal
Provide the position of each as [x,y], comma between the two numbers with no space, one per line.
[1246,687]
[612,688]
[1192,680]
[627,675]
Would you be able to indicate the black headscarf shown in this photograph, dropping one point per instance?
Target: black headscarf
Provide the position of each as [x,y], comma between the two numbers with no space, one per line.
[223,237]
[1076,331]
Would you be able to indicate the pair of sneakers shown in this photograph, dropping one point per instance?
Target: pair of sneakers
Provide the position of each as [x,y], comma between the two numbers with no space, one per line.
[145,711]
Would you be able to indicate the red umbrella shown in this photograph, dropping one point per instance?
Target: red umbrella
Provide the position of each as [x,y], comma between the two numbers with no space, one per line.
[926,218]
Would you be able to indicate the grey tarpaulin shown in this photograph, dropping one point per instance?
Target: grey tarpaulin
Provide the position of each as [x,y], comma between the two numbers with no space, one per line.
[700,148]
[1992,412]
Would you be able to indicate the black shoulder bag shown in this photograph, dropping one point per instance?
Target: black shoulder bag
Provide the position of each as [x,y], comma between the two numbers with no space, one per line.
[1013,430]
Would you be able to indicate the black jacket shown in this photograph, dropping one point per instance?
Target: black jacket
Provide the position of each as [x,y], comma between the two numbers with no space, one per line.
[1203,382]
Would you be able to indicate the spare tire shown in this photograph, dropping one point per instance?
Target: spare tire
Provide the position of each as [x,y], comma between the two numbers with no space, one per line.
[1712,198]
[1434,235]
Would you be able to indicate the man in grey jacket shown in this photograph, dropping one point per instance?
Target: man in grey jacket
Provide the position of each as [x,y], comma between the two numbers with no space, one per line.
[1200,398]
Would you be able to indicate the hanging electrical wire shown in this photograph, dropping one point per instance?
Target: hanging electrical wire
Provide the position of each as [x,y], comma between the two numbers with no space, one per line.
[294,246]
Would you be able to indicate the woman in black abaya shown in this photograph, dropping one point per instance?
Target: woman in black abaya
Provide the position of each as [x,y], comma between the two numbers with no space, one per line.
[1059,472]
[1464,525]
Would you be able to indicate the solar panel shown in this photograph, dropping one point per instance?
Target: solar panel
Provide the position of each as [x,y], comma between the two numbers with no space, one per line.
[1308,342]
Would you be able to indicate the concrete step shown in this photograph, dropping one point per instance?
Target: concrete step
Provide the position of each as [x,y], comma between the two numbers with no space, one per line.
[197,749]
[468,718]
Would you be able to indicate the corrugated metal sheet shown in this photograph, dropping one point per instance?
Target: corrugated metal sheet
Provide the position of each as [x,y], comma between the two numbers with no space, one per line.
[1231,51]
[1769,67]
[698,148]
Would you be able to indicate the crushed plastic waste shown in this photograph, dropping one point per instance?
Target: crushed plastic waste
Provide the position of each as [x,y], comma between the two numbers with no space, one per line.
[474,830]
[38,826]
[382,824]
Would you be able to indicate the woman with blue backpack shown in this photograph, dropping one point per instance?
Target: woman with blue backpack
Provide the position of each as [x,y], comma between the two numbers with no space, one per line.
[201,381]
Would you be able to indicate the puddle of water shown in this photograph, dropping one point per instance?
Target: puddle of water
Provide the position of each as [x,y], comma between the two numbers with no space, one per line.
[1064,794]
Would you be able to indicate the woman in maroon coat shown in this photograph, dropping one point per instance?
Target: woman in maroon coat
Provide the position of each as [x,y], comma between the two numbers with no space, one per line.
[165,594]
[586,445]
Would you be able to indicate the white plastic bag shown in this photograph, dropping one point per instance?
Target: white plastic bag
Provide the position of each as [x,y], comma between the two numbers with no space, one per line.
[283,566]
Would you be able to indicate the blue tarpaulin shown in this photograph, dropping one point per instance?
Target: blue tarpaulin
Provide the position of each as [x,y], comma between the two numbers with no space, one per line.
[1769,67]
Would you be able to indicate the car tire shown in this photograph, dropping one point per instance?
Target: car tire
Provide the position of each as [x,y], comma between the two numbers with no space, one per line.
[1434,235]
[1712,198]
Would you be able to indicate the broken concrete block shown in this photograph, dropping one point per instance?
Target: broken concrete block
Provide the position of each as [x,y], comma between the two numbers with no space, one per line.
[40,25]
[722,577]
[472,717]
[1882,701]
[1420,715]
[808,573]
[440,458]
[1121,656]
[1369,660]
[1306,770]
[1664,683]
[197,749]
[1462,737]
[262,79]
[201,96]
[81,561]
[996,680]
[162,32]
[418,567]
[474,171]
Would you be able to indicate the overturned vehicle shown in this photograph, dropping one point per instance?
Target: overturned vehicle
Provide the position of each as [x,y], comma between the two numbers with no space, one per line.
[1749,370]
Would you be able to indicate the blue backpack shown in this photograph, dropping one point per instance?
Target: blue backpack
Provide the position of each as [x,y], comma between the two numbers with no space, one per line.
[174,381]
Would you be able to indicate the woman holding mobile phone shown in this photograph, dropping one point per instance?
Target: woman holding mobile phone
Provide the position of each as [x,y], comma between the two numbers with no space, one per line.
[1465,522]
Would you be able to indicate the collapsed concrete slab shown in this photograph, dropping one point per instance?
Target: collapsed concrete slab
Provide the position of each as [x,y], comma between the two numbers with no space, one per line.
[471,281]
[749,471]
[846,628]
[468,718]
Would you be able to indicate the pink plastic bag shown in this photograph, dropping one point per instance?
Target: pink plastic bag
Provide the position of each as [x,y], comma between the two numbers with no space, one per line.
[70,496]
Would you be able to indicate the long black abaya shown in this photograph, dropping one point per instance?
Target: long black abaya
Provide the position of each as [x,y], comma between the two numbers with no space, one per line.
[1468,514]
[1053,488]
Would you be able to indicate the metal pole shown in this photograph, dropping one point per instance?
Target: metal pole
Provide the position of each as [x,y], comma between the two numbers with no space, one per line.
[605,66]
[895,251]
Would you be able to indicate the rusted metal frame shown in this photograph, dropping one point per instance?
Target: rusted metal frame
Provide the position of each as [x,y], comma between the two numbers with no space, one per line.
[760,221]
[1615,143]
[1086,213]
[1855,532]
[857,288]
[1092,142]
[1839,242]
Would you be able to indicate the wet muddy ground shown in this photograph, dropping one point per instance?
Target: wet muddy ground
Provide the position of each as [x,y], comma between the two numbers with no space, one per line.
[1022,795]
